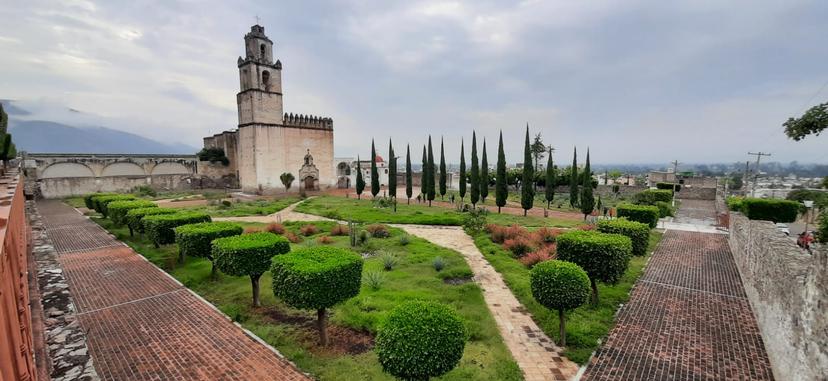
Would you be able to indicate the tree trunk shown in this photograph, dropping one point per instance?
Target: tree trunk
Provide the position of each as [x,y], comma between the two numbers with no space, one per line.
[130,231]
[498,210]
[562,322]
[429,203]
[321,320]
[254,281]
[180,256]
[213,272]
[409,201]
[594,292]
[524,212]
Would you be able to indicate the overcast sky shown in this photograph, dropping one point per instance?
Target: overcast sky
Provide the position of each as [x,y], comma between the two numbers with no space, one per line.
[636,81]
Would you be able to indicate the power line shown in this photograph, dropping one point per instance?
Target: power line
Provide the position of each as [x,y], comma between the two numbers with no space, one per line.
[756,177]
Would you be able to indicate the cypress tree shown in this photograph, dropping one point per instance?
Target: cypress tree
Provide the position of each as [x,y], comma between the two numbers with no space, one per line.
[501,187]
[474,175]
[587,198]
[484,175]
[424,176]
[573,180]
[392,171]
[527,191]
[409,188]
[443,174]
[375,185]
[360,182]
[430,189]
[462,173]
[550,180]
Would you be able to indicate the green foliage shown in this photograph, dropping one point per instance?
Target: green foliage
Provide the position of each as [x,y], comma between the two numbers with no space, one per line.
[287,180]
[814,121]
[100,202]
[665,209]
[389,261]
[134,217]
[392,171]
[527,190]
[501,186]
[443,173]
[4,120]
[822,223]
[484,174]
[819,198]
[316,277]
[420,340]
[573,179]
[734,203]
[638,233]
[194,240]
[360,182]
[651,196]
[604,257]
[8,150]
[430,191]
[144,191]
[405,240]
[248,254]
[375,185]
[159,227]
[475,220]
[409,183]
[559,285]
[770,209]
[374,279]
[549,184]
[474,174]
[213,155]
[424,176]
[587,202]
[616,188]
[117,210]
[669,186]
[647,214]
[89,203]
[439,263]
[462,186]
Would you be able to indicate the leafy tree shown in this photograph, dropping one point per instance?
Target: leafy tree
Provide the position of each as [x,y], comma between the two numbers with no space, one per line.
[424,176]
[443,174]
[408,182]
[9,150]
[475,173]
[360,182]
[825,182]
[462,173]
[431,191]
[501,186]
[4,120]
[587,198]
[213,155]
[484,174]
[559,285]
[392,171]
[538,149]
[550,181]
[614,174]
[287,180]
[375,185]
[573,180]
[194,240]
[814,121]
[527,191]
[604,257]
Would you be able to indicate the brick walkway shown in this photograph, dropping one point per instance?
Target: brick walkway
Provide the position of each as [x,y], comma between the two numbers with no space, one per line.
[536,354]
[687,319]
[141,324]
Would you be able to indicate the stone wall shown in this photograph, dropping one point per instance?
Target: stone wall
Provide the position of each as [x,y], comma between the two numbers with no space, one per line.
[695,193]
[788,290]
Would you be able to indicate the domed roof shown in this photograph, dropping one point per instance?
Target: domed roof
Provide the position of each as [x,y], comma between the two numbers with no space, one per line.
[379,159]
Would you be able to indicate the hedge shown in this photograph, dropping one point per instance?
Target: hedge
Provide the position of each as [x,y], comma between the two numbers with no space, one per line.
[88,202]
[195,239]
[638,233]
[734,203]
[669,186]
[559,285]
[665,209]
[248,254]
[603,256]
[770,209]
[419,340]
[651,196]
[99,203]
[117,210]
[640,213]
[159,227]
[134,217]
[822,231]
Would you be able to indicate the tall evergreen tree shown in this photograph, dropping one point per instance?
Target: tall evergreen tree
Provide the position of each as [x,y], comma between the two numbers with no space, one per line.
[501,186]
[424,175]
[409,187]
[550,180]
[527,191]
[474,175]
[573,180]
[443,174]
[430,191]
[462,173]
[587,202]
[392,171]
[375,184]
[360,182]
[484,174]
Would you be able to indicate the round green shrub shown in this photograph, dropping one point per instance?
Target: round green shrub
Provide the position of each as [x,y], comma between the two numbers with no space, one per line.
[99,203]
[194,239]
[159,227]
[248,254]
[637,232]
[665,209]
[651,196]
[117,210]
[604,257]
[89,203]
[420,340]
[561,286]
[646,214]
[134,216]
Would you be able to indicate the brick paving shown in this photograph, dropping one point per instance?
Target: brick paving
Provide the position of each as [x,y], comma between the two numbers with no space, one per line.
[687,319]
[141,324]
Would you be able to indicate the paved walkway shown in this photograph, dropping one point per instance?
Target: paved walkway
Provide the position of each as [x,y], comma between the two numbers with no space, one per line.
[143,325]
[286,214]
[536,354]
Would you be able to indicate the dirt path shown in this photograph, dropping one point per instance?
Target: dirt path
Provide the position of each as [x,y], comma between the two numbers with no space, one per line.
[286,214]
[536,354]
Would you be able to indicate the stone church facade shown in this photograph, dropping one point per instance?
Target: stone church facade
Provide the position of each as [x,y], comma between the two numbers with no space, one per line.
[269,142]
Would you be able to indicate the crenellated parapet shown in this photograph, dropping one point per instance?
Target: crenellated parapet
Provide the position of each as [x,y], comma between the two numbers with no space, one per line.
[308,121]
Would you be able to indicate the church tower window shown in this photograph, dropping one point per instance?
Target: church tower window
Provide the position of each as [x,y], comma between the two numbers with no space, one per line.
[266,79]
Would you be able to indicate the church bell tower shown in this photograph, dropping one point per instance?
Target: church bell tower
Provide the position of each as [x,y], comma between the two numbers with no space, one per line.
[260,80]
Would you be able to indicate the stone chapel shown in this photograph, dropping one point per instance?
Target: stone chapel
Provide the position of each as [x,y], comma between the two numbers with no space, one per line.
[269,142]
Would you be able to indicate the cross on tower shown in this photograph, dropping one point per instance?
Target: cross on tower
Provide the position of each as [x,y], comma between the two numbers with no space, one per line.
[257,19]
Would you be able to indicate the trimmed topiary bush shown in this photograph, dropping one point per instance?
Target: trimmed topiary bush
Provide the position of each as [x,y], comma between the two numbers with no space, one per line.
[734,203]
[603,256]
[639,213]
[89,203]
[195,239]
[99,203]
[637,232]
[159,227]
[117,210]
[248,254]
[317,278]
[665,209]
[559,285]
[669,186]
[770,209]
[420,340]
[135,216]
[651,196]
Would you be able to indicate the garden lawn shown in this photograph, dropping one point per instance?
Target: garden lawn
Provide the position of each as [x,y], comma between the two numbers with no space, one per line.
[585,325]
[245,208]
[291,331]
[364,210]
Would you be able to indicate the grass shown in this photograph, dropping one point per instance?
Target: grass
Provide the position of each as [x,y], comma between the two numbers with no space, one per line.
[344,209]
[485,356]
[586,325]
[245,208]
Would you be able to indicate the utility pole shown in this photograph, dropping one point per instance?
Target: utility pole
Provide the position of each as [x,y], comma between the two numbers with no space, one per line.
[756,177]
[675,179]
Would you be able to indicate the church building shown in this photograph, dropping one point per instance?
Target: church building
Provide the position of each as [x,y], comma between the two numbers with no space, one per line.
[268,141]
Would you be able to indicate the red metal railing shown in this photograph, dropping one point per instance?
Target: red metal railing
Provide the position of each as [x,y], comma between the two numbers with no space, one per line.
[16,356]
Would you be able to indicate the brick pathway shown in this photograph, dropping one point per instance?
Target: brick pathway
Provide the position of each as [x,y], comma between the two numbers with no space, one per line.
[687,319]
[536,354]
[141,324]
